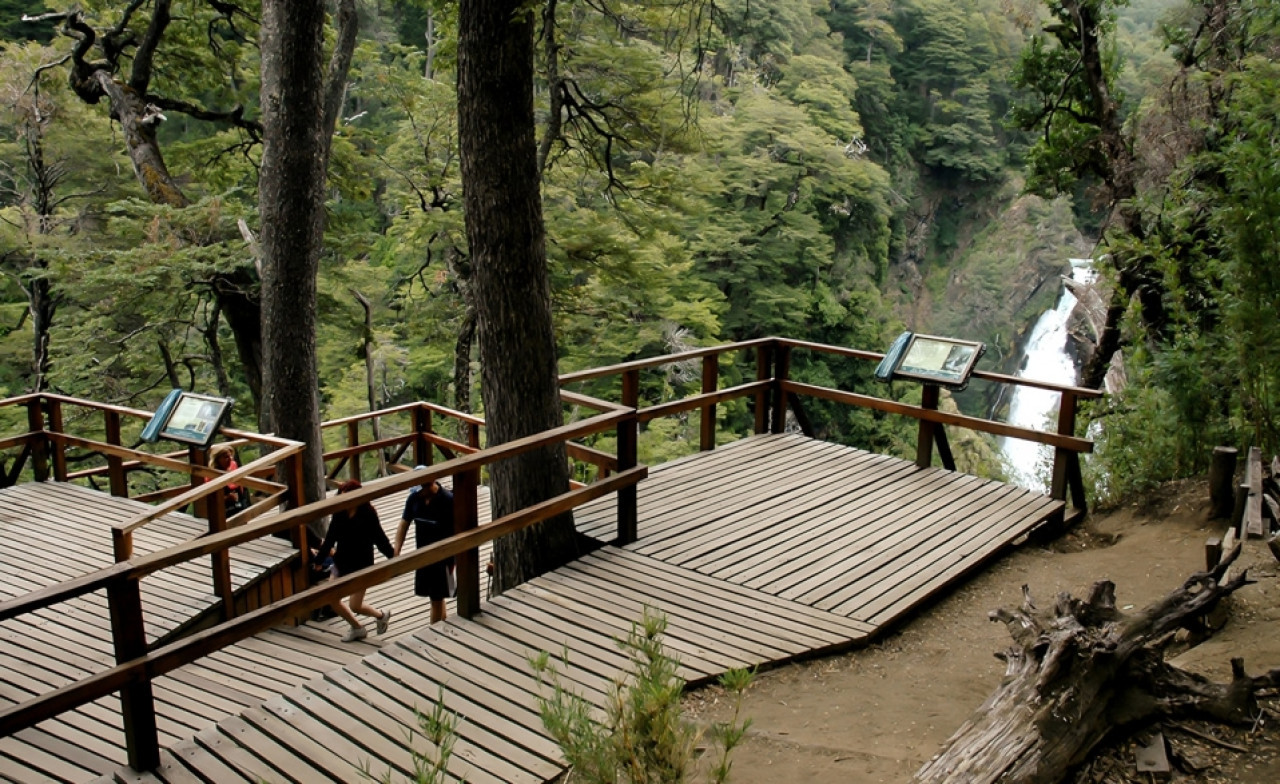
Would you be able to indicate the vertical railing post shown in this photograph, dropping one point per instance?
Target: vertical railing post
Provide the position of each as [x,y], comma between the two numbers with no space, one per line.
[115,463]
[198,457]
[473,435]
[137,703]
[466,516]
[710,382]
[58,452]
[353,439]
[220,559]
[1066,427]
[781,374]
[40,442]
[421,446]
[628,436]
[121,544]
[924,437]
[764,369]
[296,496]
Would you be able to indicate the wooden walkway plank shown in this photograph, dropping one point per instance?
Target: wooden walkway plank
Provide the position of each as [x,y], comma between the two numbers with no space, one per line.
[916,546]
[684,623]
[787,616]
[601,661]
[835,527]
[476,750]
[764,506]
[745,531]
[864,551]
[509,691]
[952,565]
[782,629]
[485,641]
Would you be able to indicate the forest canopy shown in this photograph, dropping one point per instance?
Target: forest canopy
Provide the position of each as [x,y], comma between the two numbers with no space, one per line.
[826,171]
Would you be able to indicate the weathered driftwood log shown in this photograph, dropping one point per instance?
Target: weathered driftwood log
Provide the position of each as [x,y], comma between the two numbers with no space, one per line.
[1084,669]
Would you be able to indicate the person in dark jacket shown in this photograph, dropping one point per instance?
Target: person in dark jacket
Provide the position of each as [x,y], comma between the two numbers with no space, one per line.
[430,509]
[351,538]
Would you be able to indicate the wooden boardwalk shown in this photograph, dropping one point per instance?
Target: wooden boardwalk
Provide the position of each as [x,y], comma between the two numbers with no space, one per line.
[860,534]
[763,551]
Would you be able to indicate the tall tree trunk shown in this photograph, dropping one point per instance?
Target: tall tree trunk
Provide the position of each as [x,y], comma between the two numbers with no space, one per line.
[518,376]
[291,208]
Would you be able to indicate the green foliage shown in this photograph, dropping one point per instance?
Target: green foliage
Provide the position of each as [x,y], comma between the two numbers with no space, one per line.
[642,737]
[1207,375]
[439,728]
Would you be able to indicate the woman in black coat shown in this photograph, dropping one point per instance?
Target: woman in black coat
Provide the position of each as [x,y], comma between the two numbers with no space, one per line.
[351,539]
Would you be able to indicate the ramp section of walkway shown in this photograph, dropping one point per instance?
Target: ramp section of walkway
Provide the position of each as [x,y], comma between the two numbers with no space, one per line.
[357,719]
[860,534]
[51,532]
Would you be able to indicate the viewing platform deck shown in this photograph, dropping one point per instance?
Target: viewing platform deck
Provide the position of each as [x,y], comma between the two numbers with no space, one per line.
[762,551]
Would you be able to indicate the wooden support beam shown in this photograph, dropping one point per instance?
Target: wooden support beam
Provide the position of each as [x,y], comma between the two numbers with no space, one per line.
[707,420]
[944,446]
[58,454]
[115,464]
[137,702]
[764,369]
[1212,553]
[781,373]
[628,441]
[1222,472]
[924,433]
[466,517]
[40,444]
[1253,505]
[1067,405]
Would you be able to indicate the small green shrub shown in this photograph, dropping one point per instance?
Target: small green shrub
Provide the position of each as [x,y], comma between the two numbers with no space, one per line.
[643,736]
[440,729]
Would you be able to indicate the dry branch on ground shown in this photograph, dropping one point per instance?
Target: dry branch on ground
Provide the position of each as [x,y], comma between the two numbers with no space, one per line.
[1082,671]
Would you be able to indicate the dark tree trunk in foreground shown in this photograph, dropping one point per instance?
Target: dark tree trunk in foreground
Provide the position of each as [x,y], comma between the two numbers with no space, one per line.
[298,119]
[518,377]
[1082,670]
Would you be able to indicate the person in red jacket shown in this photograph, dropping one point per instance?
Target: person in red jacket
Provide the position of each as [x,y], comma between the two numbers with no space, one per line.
[350,541]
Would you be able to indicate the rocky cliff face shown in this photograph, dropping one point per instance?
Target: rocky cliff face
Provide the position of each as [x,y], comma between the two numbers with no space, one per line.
[1004,268]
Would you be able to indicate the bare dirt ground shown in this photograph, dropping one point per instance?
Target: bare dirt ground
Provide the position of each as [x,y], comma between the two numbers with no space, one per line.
[877,714]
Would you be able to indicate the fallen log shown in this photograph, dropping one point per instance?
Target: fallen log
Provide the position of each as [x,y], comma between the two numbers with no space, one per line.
[1082,670]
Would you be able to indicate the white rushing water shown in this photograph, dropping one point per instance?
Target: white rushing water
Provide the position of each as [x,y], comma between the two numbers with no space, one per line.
[1046,359]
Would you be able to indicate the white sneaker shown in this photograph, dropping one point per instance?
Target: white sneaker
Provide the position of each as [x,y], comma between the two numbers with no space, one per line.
[381,623]
[355,633]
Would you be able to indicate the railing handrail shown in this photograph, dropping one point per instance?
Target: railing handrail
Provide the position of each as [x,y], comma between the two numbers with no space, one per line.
[209,487]
[666,359]
[29,397]
[141,566]
[1072,443]
[463,416]
[188,649]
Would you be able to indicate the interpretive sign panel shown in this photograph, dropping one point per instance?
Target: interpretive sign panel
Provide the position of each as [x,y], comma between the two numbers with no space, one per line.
[194,419]
[936,360]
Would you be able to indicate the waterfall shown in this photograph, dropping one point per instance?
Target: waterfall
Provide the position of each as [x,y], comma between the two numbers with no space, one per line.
[1046,359]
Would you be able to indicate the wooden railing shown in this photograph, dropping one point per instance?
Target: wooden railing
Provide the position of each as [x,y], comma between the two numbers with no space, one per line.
[773,393]
[136,666]
[416,432]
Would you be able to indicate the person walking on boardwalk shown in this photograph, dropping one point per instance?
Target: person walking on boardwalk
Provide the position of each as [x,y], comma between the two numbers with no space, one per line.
[351,538]
[430,508]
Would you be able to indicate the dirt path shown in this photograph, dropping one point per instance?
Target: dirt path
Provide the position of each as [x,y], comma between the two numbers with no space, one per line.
[878,714]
